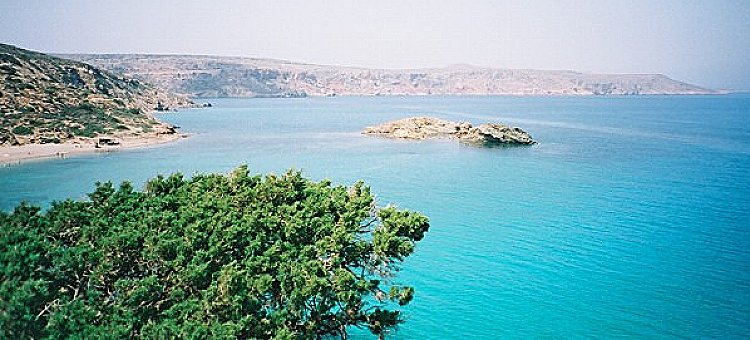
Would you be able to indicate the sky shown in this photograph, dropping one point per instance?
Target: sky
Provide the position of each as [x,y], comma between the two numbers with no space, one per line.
[701,42]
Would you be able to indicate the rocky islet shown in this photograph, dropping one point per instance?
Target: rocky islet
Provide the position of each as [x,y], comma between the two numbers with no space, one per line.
[419,128]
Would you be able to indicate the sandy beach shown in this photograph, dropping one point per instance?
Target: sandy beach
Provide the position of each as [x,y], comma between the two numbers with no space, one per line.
[10,155]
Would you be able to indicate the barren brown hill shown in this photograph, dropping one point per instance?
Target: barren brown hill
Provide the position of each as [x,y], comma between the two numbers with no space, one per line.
[212,76]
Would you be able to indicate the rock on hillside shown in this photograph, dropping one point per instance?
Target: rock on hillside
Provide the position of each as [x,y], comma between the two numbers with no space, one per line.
[210,76]
[428,127]
[45,99]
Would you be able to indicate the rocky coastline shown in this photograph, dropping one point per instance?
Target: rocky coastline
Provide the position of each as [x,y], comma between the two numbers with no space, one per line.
[420,128]
[48,100]
[216,76]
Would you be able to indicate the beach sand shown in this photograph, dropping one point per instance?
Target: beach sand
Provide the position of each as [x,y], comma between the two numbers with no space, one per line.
[10,155]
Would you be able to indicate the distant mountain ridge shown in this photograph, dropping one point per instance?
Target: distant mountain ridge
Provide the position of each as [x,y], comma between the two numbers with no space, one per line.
[45,99]
[214,76]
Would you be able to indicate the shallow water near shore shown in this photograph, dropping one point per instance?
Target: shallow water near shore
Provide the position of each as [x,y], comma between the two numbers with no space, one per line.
[631,217]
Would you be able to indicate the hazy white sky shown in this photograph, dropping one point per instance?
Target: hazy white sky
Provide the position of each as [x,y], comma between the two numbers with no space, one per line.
[703,42]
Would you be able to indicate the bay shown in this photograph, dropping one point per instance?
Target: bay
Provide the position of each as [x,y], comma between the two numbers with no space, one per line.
[631,217]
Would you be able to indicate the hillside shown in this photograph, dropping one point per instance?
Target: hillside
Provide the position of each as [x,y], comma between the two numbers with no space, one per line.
[45,99]
[210,76]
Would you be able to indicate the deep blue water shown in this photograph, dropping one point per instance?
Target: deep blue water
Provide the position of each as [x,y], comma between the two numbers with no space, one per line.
[630,218]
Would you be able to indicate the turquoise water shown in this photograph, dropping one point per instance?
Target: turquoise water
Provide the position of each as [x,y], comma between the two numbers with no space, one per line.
[630,218]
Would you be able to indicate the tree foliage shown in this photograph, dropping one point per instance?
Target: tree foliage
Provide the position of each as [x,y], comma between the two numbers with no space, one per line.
[220,256]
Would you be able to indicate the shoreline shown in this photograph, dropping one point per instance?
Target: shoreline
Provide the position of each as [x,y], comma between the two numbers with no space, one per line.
[507,95]
[17,155]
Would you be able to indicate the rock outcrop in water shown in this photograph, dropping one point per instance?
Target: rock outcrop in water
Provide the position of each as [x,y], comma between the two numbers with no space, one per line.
[428,127]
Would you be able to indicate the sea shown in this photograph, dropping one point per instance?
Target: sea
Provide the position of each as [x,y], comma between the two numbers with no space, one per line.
[629,218]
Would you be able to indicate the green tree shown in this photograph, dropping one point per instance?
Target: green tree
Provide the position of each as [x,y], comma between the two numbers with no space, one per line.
[220,256]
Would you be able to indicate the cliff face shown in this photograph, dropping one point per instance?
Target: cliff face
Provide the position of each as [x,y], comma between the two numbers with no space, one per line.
[207,76]
[45,99]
